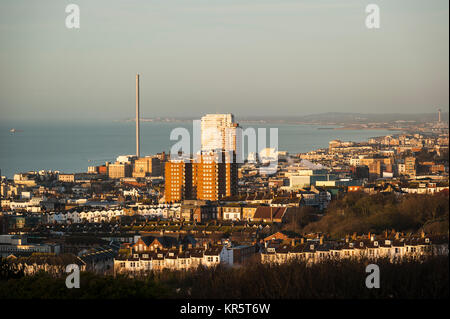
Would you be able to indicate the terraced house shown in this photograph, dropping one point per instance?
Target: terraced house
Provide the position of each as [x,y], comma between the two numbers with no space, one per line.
[278,251]
[157,253]
[48,262]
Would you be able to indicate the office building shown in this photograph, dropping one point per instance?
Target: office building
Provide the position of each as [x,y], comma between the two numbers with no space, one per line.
[119,170]
[147,166]
[410,166]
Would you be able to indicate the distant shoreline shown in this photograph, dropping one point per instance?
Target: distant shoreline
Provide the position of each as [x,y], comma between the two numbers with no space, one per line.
[341,126]
[344,119]
[366,128]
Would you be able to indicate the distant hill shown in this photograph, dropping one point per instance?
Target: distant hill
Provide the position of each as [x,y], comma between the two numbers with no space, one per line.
[339,118]
[354,118]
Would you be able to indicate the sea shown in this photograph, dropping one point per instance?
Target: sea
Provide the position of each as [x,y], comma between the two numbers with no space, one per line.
[73,146]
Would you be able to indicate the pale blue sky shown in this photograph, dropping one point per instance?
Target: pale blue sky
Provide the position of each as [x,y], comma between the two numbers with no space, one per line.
[248,57]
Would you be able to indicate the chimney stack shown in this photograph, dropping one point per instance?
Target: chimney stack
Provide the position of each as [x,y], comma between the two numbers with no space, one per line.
[137,117]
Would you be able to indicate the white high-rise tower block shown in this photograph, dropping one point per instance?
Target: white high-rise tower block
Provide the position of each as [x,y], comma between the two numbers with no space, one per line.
[218,132]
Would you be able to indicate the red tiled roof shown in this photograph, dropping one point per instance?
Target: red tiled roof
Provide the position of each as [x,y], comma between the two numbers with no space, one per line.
[263,212]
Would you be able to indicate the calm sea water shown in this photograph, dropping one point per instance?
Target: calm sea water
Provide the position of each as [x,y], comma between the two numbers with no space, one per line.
[72,147]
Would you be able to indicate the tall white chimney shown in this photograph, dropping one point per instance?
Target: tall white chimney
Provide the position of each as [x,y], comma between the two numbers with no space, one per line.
[137,116]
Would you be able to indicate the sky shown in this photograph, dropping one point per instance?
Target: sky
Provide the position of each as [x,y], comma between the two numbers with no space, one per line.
[247,57]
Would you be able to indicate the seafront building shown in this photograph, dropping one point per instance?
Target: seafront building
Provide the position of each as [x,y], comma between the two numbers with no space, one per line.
[147,166]
[119,170]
